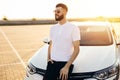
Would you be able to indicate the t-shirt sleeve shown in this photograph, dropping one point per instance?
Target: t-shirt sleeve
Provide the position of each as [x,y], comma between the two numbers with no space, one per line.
[76,34]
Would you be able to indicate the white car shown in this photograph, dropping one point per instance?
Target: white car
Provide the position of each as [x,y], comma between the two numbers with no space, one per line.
[98,58]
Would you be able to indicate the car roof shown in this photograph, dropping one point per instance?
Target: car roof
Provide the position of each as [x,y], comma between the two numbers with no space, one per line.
[91,23]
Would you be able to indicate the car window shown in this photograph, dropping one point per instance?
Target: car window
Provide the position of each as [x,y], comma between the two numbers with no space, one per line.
[95,35]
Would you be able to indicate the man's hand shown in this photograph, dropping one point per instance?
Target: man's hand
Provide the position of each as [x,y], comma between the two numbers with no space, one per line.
[64,73]
[50,60]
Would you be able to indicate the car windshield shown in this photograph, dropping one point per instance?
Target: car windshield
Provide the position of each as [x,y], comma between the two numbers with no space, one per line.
[95,36]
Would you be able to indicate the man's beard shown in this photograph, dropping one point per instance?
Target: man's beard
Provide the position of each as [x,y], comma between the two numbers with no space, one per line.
[59,18]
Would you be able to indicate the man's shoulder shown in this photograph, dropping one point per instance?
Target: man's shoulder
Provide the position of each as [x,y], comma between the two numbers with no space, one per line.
[70,24]
[55,25]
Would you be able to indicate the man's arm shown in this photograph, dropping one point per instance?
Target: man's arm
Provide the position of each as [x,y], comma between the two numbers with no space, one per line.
[49,52]
[75,53]
[65,69]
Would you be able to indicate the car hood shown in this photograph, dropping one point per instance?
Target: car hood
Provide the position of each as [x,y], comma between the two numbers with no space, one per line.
[90,58]
[94,58]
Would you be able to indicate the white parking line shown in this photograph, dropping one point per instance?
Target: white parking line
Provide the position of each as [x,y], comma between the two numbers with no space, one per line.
[15,51]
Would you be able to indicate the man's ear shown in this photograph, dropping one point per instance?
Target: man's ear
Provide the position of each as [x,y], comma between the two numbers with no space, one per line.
[64,11]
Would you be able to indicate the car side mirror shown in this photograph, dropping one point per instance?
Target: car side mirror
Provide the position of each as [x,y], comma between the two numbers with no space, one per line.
[46,40]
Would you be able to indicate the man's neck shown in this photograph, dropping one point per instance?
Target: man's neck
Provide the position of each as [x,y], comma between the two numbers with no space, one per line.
[62,21]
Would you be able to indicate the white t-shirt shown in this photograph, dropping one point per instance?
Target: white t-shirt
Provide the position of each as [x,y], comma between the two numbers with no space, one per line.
[62,37]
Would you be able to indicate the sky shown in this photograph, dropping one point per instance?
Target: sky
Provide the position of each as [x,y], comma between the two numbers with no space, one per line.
[27,9]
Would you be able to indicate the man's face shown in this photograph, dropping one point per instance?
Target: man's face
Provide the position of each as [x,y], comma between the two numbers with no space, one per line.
[59,14]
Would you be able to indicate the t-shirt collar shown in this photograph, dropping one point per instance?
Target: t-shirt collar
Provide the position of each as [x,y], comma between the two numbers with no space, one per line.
[63,24]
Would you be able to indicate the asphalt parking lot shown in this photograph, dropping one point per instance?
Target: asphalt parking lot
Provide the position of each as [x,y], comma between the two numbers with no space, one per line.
[17,45]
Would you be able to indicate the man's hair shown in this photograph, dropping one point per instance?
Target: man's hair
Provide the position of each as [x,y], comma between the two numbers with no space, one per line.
[63,6]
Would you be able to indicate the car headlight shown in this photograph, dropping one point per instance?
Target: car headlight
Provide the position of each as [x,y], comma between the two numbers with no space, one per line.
[106,73]
[31,69]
